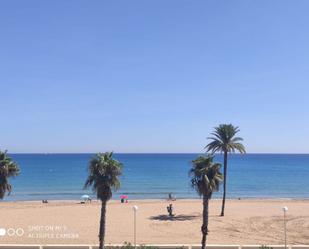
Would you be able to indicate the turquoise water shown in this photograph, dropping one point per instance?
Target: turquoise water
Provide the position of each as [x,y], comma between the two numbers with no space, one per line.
[61,176]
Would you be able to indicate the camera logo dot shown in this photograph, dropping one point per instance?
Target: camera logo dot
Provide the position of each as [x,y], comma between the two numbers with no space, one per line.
[2,232]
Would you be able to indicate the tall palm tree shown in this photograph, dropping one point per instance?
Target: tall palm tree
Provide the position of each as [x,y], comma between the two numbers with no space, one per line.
[224,140]
[103,178]
[205,179]
[8,168]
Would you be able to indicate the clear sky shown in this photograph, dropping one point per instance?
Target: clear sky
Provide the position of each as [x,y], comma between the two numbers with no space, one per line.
[153,75]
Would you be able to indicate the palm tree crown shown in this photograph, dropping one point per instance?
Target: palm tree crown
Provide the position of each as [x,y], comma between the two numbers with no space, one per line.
[8,168]
[103,175]
[205,175]
[224,140]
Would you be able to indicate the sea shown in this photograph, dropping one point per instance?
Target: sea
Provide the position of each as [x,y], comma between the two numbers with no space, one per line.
[154,176]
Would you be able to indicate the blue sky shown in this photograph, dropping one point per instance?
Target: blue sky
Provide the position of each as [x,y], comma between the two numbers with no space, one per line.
[153,76]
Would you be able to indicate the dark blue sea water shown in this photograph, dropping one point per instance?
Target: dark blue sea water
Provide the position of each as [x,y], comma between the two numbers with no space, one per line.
[61,176]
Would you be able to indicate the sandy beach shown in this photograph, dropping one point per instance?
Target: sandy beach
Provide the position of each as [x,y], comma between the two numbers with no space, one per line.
[68,222]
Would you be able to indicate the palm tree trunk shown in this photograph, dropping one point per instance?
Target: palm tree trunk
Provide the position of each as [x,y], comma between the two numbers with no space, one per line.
[204,227]
[102,225]
[224,183]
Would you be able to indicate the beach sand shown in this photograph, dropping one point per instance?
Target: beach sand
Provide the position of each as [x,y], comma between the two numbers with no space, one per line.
[68,222]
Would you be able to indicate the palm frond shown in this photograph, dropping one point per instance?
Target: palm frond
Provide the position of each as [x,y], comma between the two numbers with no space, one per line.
[8,168]
[224,140]
[205,175]
[103,175]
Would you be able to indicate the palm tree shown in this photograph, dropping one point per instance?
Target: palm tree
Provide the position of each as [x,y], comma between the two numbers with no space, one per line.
[8,168]
[225,141]
[205,179]
[103,178]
